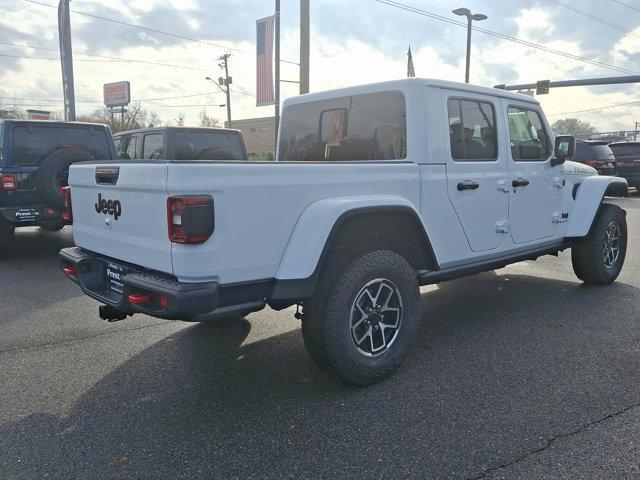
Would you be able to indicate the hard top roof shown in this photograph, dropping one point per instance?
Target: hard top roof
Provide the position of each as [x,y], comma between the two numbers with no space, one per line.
[409,84]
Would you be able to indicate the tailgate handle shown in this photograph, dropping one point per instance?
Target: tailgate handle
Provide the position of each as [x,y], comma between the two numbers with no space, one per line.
[107,175]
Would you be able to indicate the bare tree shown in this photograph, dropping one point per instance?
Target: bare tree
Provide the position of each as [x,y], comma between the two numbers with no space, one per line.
[11,111]
[206,120]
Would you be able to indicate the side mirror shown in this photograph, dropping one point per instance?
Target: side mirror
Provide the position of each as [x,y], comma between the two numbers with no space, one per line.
[565,148]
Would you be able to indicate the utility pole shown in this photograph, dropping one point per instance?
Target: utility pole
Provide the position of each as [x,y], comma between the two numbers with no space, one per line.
[304,46]
[635,132]
[226,81]
[277,70]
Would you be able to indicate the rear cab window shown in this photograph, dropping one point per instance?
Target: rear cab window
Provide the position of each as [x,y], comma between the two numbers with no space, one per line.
[365,127]
[31,143]
[203,145]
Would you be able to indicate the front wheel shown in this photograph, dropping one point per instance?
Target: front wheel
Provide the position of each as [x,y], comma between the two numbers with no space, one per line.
[363,324]
[598,258]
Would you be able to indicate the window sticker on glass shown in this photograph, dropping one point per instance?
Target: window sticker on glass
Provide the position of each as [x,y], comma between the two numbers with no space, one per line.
[337,128]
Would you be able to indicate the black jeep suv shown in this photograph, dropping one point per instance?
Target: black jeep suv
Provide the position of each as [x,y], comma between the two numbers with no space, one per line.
[34,164]
[628,158]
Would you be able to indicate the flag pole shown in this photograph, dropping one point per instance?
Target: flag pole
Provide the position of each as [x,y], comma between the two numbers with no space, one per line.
[277,73]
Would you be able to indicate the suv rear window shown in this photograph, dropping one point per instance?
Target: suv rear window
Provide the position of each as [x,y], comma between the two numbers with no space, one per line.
[198,145]
[626,150]
[360,127]
[588,151]
[31,144]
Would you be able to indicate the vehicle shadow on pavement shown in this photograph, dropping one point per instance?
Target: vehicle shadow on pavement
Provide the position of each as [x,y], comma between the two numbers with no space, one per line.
[502,363]
[33,245]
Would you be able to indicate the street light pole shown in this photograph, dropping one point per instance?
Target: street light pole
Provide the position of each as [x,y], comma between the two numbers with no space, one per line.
[465,12]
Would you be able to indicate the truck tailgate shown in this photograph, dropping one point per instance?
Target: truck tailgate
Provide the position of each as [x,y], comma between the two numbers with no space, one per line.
[130,223]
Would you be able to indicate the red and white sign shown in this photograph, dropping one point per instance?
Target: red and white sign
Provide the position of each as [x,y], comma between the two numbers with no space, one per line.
[38,115]
[117,94]
[337,128]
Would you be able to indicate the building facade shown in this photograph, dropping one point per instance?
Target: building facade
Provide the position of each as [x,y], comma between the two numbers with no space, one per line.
[259,135]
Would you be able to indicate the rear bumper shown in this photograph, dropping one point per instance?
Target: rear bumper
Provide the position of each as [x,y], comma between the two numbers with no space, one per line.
[182,301]
[632,178]
[27,216]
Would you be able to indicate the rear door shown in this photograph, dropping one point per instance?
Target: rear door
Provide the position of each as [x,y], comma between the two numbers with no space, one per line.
[477,168]
[120,210]
[536,185]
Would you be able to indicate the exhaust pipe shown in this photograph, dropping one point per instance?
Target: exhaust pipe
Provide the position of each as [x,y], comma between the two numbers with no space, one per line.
[111,314]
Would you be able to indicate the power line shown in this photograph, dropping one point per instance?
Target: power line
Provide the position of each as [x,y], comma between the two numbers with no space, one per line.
[593,17]
[595,109]
[627,5]
[112,60]
[153,30]
[425,13]
[106,57]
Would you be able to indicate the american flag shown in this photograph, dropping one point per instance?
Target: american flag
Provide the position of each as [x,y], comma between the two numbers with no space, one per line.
[264,59]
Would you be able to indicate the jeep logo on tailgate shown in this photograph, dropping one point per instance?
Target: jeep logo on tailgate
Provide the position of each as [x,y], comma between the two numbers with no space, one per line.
[112,207]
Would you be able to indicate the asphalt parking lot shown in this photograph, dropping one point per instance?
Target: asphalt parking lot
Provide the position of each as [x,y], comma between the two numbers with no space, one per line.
[522,373]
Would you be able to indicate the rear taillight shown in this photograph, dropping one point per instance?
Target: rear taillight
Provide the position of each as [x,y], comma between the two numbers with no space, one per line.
[191,219]
[66,199]
[8,182]
[596,163]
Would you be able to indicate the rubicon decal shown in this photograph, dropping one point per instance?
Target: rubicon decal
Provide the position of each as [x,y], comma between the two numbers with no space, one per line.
[112,207]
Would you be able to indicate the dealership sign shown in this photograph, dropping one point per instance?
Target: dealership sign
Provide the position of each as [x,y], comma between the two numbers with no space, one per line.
[117,94]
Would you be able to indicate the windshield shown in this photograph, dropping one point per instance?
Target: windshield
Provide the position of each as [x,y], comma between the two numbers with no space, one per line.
[198,145]
[32,143]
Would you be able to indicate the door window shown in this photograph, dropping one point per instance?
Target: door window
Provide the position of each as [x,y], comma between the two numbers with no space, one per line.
[152,146]
[529,139]
[472,130]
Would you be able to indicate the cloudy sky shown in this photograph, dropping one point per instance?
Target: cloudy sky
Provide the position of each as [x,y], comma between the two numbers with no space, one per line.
[352,42]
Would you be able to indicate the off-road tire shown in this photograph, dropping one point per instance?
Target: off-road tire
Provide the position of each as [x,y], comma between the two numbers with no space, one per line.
[53,173]
[326,323]
[588,253]
[53,227]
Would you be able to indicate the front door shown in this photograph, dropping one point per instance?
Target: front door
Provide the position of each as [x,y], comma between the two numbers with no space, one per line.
[477,169]
[536,185]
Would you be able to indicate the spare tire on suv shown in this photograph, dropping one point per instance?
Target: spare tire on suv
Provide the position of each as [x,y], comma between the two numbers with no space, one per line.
[54,173]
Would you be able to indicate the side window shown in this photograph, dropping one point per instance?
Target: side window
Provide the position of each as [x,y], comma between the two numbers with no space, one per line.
[472,130]
[132,147]
[365,127]
[121,145]
[529,139]
[152,146]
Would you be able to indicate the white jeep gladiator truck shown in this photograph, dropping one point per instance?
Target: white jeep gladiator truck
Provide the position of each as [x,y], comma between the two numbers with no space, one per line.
[378,189]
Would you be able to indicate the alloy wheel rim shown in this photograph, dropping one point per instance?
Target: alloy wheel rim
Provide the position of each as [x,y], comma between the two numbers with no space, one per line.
[376,317]
[611,250]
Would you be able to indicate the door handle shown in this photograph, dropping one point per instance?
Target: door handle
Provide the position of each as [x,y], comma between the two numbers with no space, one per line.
[468,185]
[520,182]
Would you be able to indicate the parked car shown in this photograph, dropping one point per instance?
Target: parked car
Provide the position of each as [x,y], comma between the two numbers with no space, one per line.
[628,159]
[377,190]
[34,163]
[596,154]
[181,143]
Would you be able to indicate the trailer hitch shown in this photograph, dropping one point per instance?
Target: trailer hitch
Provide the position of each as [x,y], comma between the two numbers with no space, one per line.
[111,314]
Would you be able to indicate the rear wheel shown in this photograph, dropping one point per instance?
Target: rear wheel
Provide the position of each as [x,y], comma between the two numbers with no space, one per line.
[598,258]
[53,227]
[363,324]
